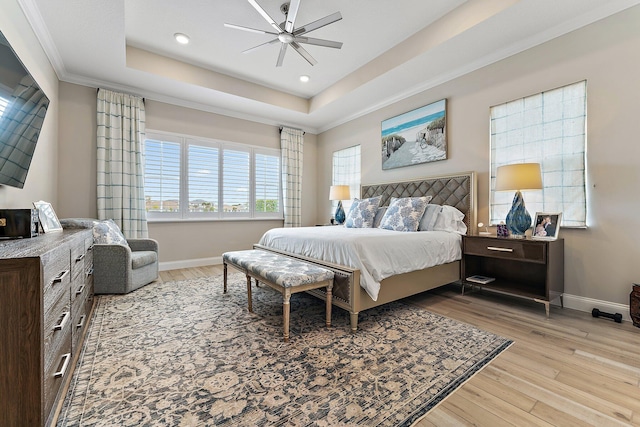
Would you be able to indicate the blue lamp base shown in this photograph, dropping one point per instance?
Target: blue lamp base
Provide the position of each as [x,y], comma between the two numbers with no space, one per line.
[518,219]
[339,215]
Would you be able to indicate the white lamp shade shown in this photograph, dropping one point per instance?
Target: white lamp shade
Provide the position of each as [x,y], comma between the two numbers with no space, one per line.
[520,176]
[339,192]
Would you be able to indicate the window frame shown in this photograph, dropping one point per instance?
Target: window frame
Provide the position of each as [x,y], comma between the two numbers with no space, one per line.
[538,131]
[184,215]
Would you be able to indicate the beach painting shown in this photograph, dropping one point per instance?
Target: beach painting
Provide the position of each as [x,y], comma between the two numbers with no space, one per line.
[417,136]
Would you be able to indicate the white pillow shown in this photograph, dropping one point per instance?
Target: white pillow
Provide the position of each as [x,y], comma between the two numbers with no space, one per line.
[450,219]
[108,232]
[404,214]
[429,218]
[362,213]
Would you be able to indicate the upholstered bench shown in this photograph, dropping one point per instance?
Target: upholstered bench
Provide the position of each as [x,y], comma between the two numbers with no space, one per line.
[284,274]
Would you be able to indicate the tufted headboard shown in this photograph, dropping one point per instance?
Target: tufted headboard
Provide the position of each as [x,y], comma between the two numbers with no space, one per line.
[457,190]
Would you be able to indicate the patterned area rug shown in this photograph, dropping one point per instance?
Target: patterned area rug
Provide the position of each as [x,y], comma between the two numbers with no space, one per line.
[185,354]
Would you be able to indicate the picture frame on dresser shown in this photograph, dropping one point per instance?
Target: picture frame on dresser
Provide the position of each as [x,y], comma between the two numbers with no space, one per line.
[48,218]
[546,226]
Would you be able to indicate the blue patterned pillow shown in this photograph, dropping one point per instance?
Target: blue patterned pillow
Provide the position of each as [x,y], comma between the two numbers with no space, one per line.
[362,213]
[404,214]
[108,232]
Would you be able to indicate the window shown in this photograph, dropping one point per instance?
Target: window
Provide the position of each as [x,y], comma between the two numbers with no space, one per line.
[195,178]
[346,171]
[547,128]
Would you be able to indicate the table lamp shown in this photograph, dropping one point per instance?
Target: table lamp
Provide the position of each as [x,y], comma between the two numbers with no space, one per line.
[521,176]
[339,193]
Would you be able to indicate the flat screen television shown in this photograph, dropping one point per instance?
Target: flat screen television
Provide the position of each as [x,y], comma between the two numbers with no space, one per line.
[23,106]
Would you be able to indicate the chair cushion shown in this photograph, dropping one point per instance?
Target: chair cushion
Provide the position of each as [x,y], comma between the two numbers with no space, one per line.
[142,258]
[107,232]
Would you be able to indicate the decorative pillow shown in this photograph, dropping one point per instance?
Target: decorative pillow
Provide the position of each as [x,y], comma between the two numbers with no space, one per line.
[108,232]
[404,214]
[379,214]
[429,218]
[362,213]
[450,219]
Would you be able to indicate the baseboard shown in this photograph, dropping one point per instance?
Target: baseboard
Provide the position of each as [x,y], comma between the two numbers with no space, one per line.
[189,263]
[587,304]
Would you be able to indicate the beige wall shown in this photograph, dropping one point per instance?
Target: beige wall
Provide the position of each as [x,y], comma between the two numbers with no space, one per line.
[600,261]
[195,242]
[42,177]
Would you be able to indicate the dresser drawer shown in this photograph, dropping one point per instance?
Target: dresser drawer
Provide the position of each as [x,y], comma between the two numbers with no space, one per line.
[57,277]
[78,253]
[80,322]
[57,325]
[523,250]
[58,371]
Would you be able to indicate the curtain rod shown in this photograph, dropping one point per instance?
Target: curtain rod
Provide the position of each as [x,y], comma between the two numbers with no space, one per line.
[280,129]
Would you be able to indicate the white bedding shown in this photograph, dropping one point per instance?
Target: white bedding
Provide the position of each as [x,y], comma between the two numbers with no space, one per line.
[377,253]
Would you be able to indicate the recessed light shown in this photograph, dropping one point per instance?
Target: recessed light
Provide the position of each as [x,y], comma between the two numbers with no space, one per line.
[181,38]
[304,79]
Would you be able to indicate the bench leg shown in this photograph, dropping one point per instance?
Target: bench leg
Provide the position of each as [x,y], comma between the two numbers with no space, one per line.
[224,281]
[286,307]
[249,293]
[354,322]
[329,298]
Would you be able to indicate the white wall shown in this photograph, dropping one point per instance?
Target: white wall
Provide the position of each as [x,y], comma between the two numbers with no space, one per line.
[41,183]
[600,261]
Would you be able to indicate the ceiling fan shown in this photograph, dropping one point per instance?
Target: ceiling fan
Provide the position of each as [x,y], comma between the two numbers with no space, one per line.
[289,35]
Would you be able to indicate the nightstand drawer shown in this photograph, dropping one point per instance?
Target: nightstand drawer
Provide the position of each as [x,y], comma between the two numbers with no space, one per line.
[525,250]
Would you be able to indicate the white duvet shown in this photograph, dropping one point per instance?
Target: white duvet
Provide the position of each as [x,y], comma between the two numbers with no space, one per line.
[376,252]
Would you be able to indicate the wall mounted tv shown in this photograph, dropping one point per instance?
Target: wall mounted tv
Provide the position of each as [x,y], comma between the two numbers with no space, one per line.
[23,106]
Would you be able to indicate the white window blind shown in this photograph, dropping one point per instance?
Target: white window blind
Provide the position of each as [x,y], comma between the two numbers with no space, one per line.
[197,178]
[203,178]
[162,176]
[236,181]
[4,102]
[267,189]
[346,171]
[547,128]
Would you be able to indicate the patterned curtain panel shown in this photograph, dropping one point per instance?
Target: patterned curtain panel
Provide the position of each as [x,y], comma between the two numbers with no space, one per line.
[291,142]
[120,162]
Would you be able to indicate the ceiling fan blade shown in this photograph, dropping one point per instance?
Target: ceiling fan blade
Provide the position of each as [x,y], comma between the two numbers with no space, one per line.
[303,53]
[265,15]
[251,49]
[283,50]
[319,42]
[317,24]
[251,30]
[294,5]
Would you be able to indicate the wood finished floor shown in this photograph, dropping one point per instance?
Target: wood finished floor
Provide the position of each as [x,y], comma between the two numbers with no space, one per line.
[568,370]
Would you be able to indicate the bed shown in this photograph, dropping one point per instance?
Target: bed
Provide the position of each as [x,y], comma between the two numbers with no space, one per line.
[358,266]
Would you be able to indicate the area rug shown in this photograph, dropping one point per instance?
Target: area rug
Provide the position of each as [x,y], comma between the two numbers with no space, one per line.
[186,354]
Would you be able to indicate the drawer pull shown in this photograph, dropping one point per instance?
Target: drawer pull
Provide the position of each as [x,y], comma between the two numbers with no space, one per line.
[80,258]
[65,317]
[495,248]
[65,365]
[90,248]
[89,271]
[81,324]
[80,289]
[59,277]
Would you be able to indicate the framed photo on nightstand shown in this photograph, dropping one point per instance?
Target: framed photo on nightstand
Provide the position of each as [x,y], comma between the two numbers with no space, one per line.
[546,226]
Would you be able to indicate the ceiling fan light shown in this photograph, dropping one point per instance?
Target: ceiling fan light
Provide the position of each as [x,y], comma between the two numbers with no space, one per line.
[181,38]
[304,78]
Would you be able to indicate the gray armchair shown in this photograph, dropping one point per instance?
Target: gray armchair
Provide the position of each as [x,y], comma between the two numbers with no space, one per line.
[120,269]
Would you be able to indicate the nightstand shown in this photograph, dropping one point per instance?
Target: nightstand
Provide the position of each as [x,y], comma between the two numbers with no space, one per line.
[532,269]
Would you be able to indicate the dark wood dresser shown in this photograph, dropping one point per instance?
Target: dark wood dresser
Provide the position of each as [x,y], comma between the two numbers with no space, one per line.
[46,297]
